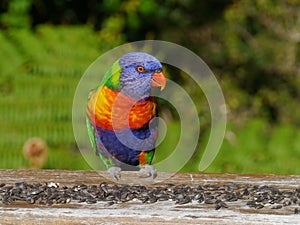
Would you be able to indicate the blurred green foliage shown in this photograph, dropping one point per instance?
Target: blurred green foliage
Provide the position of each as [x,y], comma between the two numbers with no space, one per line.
[251,46]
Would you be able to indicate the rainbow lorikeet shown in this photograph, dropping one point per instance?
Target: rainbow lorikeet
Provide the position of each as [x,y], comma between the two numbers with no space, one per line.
[120,114]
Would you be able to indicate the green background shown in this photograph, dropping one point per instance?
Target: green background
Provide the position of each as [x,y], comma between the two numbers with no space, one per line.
[253,48]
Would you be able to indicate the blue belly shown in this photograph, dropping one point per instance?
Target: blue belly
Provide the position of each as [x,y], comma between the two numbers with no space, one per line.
[112,147]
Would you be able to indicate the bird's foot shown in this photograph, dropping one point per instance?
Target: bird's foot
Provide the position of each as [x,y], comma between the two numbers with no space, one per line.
[115,172]
[148,171]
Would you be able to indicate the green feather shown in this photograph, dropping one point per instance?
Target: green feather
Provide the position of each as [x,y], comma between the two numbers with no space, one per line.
[111,80]
[149,156]
[112,77]
[91,131]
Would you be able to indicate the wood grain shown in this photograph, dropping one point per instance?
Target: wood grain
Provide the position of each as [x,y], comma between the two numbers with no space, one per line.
[134,212]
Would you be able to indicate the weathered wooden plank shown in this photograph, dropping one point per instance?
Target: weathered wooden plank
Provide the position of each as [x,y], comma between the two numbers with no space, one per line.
[135,212]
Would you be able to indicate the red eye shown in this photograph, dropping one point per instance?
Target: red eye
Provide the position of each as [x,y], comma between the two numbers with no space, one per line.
[140,69]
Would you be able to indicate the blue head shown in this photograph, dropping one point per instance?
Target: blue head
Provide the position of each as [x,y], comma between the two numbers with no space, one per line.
[140,71]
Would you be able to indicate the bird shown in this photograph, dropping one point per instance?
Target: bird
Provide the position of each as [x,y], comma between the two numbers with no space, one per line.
[121,114]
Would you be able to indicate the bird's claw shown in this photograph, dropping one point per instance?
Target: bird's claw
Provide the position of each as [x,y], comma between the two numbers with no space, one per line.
[115,172]
[149,171]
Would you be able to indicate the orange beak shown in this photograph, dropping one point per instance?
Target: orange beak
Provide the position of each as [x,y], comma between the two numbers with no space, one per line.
[159,80]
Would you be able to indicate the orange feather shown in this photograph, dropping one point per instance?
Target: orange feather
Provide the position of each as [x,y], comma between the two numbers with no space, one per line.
[112,110]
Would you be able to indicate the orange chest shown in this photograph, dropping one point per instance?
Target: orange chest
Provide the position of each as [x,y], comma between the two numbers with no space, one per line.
[113,110]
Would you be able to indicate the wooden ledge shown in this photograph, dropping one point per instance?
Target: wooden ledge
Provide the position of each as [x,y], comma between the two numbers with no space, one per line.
[135,212]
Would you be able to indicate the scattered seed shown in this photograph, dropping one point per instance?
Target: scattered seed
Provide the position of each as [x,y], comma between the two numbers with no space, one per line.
[251,203]
[276,206]
[259,206]
[246,192]
[49,202]
[219,204]
[287,202]
[50,193]
[53,185]
[91,201]
[152,200]
[30,200]
[210,187]
[42,202]
[217,207]
[109,203]
[207,201]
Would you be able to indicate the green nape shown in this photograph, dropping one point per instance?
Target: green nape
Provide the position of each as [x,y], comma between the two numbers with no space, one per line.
[111,78]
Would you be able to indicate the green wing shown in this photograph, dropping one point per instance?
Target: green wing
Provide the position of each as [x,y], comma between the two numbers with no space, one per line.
[91,133]
[112,80]
[96,147]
